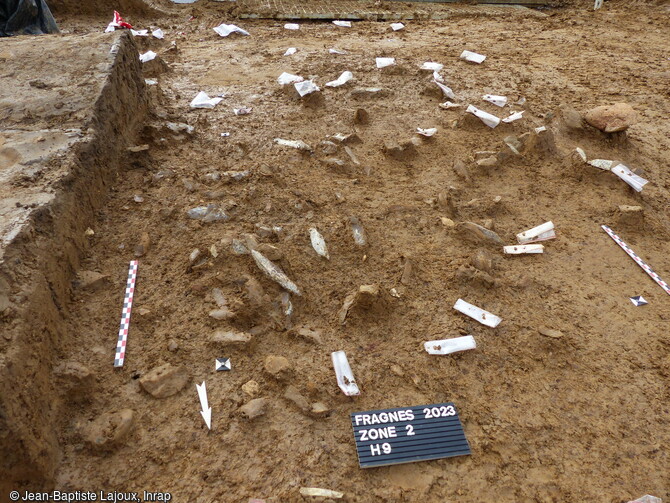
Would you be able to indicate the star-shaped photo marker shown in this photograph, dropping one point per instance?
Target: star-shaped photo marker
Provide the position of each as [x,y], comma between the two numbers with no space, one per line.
[222,364]
[638,300]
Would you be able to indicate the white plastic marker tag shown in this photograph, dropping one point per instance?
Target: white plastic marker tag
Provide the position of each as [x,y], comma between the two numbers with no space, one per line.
[345,378]
[226,29]
[472,57]
[337,51]
[147,56]
[140,33]
[397,26]
[514,117]
[483,317]
[433,67]
[598,4]
[540,129]
[601,163]
[489,119]
[521,249]
[499,101]
[291,26]
[445,90]
[341,80]
[290,50]
[206,411]
[306,87]
[158,33]
[426,132]
[635,181]
[638,301]
[448,104]
[343,24]
[203,101]
[539,233]
[288,78]
[384,62]
[447,346]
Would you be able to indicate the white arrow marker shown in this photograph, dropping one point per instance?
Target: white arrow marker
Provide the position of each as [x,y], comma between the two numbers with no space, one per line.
[206,410]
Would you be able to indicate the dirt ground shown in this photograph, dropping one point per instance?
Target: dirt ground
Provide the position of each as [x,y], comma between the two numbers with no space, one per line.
[583,417]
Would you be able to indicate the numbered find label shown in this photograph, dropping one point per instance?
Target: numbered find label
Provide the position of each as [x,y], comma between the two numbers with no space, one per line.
[406,435]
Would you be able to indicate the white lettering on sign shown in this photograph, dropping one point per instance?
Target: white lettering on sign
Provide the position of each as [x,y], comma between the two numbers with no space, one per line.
[384,417]
[377,449]
[444,411]
[378,433]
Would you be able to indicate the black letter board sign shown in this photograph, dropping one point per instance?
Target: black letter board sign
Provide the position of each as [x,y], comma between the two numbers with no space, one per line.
[405,435]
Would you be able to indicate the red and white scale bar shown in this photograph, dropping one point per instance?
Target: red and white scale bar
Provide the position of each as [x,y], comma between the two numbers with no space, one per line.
[637,259]
[125,315]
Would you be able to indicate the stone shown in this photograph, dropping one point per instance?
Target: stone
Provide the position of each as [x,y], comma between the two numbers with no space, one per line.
[194,256]
[478,234]
[221,314]
[230,337]
[447,222]
[364,297]
[250,241]
[319,409]
[109,429]
[548,332]
[271,252]
[352,156]
[361,116]
[482,260]
[277,366]
[294,396]
[569,116]
[612,118]
[251,388]
[172,345]
[624,208]
[144,245]
[310,335]
[164,381]
[404,151]
[327,147]
[333,162]
[514,144]
[461,169]
[397,370]
[138,148]
[487,162]
[254,408]
[445,201]
[75,379]
[346,139]
[467,274]
[91,281]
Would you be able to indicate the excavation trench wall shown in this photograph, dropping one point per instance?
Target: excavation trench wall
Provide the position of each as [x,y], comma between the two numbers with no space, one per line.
[68,110]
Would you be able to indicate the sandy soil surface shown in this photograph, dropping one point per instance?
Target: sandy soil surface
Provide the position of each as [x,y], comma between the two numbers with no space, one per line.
[581,417]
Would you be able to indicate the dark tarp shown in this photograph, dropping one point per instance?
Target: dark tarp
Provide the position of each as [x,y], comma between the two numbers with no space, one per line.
[26,17]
